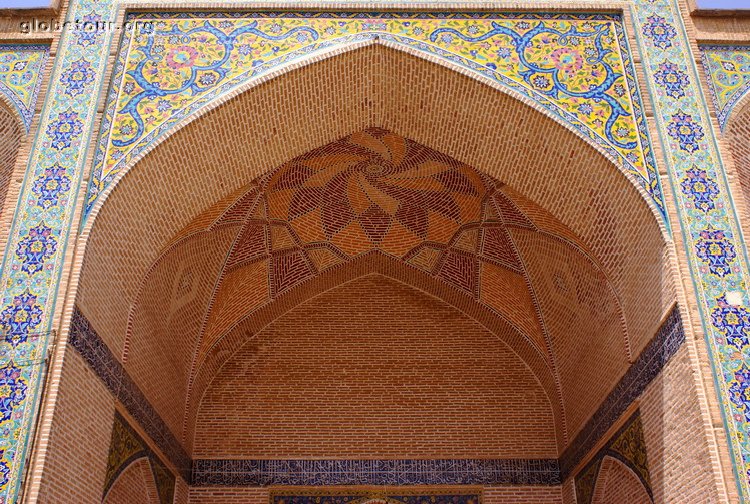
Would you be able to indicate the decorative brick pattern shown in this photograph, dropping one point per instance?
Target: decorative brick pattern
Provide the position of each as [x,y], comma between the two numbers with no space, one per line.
[316,212]
[618,483]
[356,377]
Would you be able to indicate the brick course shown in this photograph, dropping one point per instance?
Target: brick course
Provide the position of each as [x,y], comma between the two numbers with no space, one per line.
[375,369]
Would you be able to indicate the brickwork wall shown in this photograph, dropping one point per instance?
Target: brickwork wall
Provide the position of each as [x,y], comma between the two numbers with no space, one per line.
[11,133]
[79,442]
[617,484]
[738,137]
[228,496]
[679,460]
[375,369]
[134,485]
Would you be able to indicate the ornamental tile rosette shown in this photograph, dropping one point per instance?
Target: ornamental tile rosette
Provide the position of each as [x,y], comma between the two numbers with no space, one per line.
[577,67]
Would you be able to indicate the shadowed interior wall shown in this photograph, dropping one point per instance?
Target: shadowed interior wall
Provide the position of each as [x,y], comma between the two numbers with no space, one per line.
[737,136]
[11,133]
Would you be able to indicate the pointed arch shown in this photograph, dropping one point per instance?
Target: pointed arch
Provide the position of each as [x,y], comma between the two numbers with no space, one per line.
[297,111]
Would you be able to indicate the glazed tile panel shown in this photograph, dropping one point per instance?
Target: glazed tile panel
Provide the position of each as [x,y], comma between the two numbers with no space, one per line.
[576,67]
[707,215]
[375,472]
[33,259]
[21,70]
[728,73]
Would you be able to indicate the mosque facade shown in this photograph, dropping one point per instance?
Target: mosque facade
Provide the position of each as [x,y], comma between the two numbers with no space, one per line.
[374,253]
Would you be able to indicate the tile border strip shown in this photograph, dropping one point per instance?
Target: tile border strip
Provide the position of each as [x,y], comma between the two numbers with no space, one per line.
[117,380]
[216,472]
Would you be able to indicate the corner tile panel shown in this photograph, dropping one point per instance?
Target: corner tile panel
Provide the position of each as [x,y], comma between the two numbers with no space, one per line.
[21,72]
[728,72]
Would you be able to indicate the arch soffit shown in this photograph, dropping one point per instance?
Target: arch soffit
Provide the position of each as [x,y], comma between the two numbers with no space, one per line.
[12,110]
[739,111]
[11,140]
[610,463]
[97,196]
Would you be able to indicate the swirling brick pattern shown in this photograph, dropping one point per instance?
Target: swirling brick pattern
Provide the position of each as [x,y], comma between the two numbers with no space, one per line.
[29,294]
